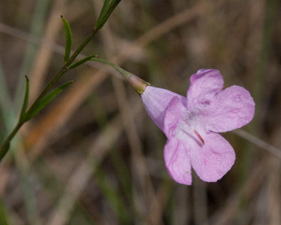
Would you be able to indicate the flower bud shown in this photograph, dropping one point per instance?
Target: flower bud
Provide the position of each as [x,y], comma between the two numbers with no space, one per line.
[137,83]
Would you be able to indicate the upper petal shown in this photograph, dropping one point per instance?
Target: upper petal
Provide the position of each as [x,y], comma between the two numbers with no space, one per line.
[231,108]
[177,161]
[203,86]
[212,160]
[156,101]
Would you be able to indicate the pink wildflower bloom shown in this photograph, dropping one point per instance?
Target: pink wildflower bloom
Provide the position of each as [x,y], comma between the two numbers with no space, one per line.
[191,125]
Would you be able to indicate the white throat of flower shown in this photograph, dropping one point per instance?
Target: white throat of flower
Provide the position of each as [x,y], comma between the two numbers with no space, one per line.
[184,129]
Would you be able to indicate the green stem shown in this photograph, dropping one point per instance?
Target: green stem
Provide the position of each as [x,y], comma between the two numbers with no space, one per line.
[124,73]
[81,47]
[6,144]
[63,70]
[23,118]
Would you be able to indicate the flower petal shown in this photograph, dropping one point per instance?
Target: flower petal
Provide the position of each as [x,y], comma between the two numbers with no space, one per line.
[156,101]
[232,108]
[172,116]
[177,161]
[214,159]
[203,86]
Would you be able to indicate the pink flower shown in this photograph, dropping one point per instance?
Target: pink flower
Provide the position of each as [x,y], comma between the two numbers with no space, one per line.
[191,125]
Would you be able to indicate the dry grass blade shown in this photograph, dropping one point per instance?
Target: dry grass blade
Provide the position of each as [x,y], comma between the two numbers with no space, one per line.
[84,171]
[44,55]
[274,195]
[157,205]
[138,162]
[4,174]
[228,212]
[258,142]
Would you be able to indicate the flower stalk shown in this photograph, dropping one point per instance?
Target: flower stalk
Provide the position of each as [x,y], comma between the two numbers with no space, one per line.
[137,83]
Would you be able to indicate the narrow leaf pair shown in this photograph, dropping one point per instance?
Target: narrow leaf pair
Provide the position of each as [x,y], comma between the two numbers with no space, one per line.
[25,114]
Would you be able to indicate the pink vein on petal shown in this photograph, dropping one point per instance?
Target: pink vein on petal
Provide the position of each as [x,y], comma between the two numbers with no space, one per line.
[196,133]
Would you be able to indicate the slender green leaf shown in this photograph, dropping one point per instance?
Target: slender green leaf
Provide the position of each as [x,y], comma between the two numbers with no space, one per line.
[107,9]
[88,58]
[25,101]
[47,100]
[103,10]
[68,39]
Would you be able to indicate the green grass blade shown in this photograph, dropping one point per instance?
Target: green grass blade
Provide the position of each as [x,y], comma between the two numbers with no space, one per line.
[28,193]
[68,39]
[39,17]
[6,106]
[115,155]
[113,197]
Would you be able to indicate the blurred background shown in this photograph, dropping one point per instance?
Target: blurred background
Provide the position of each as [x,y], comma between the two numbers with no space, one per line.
[93,156]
